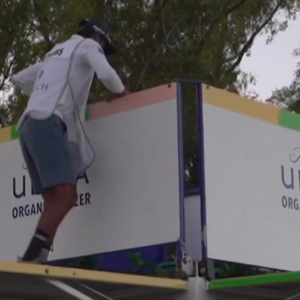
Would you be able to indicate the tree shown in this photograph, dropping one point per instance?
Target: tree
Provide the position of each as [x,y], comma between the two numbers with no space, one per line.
[289,96]
[158,40]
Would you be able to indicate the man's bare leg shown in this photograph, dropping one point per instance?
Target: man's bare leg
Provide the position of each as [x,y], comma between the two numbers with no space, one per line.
[58,202]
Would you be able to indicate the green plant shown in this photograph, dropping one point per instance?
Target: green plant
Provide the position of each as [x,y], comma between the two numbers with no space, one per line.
[88,263]
[141,265]
[136,258]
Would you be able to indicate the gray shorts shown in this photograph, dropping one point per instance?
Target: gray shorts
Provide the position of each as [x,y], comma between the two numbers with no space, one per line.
[47,153]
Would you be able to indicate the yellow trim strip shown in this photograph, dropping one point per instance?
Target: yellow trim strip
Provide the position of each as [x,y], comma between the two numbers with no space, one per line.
[5,134]
[77,274]
[241,105]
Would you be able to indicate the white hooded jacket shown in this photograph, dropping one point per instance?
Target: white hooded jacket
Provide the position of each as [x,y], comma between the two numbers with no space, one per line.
[60,85]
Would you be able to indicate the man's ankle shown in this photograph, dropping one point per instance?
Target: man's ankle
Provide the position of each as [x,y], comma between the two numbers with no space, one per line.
[42,259]
[36,246]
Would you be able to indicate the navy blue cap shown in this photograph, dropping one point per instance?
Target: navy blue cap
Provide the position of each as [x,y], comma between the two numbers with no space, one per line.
[101,26]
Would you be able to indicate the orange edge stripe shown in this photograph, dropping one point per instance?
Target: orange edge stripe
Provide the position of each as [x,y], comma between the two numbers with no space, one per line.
[133,101]
[241,105]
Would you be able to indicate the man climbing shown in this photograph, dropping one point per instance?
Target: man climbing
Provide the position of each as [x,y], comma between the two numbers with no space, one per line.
[54,145]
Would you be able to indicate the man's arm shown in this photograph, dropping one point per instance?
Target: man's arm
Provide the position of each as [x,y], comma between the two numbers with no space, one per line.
[95,57]
[25,79]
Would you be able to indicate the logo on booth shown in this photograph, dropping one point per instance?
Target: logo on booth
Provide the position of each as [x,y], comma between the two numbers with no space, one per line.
[290,180]
[29,204]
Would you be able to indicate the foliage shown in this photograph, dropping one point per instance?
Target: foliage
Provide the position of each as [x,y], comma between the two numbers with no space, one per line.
[289,96]
[87,263]
[158,41]
[143,267]
[230,270]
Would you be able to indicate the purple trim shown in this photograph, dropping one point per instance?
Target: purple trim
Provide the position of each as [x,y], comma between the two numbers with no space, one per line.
[180,159]
[193,192]
[119,261]
[201,168]
[181,240]
[201,185]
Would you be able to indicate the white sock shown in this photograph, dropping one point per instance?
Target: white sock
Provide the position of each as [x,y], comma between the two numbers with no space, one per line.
[43,257]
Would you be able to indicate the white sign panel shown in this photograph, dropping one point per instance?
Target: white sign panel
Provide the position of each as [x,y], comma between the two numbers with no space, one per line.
[128,198]
[252,174]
